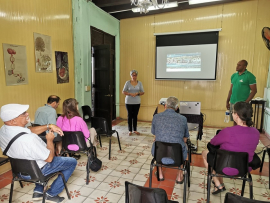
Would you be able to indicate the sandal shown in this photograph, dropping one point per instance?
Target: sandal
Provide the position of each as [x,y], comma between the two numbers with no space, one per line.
[161,179]
[130,133]
[219,190]
[181,181]
[137,133]
[222,184]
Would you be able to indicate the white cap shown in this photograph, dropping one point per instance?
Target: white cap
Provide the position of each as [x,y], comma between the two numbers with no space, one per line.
[11,111]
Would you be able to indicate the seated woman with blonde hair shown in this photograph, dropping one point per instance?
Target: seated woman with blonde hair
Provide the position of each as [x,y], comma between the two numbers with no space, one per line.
[71,120]
[240,138]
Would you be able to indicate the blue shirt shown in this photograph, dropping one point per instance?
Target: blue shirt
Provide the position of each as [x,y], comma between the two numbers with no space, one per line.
[170,127]
[46,115]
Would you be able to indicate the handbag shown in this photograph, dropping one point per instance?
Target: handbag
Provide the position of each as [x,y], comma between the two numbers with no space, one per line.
[93,162]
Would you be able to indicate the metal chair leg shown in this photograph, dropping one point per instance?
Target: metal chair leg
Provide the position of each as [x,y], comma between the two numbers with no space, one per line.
[99,140]
[11,191]
[185,186]
[21,184]
[250,186]
[65,184]
[158,173]
[110,148]
[44,192]
[150,178]
[209,177]
[118,140]
[189,154]
[268,152]
[87,173]
[243,186]
[188,173]
[262,160]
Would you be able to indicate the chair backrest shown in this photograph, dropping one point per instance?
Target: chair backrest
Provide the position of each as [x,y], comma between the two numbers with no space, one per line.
[41,134]
[139,194]
[233,198]
[74,138]
[227,159]
[87,113]
[100,124]
[26,167]
[169,150]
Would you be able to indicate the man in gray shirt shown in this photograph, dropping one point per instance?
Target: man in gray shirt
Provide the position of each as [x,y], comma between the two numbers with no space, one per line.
[46,115]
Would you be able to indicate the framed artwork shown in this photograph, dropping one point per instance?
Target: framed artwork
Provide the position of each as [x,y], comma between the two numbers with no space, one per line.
[43,53]
[15,64]
[62,72]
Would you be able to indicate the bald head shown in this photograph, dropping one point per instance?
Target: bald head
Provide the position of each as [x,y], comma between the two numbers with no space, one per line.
[53,101]
[241,66]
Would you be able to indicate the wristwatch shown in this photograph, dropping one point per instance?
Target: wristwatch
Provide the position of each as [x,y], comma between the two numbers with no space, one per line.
[48,126]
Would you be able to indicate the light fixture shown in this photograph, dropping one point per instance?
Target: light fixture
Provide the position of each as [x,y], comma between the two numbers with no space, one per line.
[144,5]
[200,1]
[151,8]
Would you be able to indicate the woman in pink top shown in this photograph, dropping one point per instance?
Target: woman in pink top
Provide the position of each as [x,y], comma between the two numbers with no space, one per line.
[240,138]
[71,120]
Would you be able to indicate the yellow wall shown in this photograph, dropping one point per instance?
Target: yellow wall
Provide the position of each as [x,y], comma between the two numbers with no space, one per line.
[240,38]
[18,21]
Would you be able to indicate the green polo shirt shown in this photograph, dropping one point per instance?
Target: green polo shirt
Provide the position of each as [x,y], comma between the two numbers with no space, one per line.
[241,86]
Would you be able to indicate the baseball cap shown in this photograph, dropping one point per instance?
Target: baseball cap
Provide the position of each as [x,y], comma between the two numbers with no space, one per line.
[11,111]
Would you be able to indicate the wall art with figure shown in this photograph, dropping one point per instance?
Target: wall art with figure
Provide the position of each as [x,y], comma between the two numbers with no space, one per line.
[62,72]
[43,53]
[15,64]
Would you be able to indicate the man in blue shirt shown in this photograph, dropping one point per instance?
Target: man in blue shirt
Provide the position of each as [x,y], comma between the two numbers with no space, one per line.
[46,115]
[171,127]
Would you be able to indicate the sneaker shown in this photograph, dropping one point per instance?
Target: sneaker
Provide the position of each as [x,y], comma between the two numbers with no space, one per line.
[55,199]
[37,196]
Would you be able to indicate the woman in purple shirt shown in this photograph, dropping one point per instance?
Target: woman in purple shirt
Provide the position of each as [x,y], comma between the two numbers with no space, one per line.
[239,138]
[71,120]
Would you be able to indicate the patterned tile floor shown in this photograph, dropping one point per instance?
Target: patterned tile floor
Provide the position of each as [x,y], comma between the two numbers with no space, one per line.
[132,164]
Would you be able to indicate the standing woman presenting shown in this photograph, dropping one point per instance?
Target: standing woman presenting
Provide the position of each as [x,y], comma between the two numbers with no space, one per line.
[133,89]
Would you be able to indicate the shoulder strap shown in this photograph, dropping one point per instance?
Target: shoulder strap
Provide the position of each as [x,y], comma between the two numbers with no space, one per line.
[11,141]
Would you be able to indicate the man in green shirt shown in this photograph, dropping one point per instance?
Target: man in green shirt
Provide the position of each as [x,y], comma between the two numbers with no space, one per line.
[243,86]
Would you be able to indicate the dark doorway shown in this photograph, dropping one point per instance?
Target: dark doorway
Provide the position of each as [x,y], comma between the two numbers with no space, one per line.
[103,75]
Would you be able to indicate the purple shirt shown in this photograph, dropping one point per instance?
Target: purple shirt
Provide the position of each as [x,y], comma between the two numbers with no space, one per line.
[74,124]
[238,139]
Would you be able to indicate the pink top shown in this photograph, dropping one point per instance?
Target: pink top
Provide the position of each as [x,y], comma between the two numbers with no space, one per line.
[74,124]
[237,139]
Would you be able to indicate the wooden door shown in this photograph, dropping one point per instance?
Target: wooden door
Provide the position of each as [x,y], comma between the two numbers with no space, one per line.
[103,83]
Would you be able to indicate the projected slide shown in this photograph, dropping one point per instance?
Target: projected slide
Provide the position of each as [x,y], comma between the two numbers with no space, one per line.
[183,62]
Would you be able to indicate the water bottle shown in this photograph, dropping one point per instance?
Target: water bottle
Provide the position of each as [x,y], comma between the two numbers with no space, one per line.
[227,116]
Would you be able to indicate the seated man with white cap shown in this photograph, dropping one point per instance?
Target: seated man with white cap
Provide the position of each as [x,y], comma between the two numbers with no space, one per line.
[31,147]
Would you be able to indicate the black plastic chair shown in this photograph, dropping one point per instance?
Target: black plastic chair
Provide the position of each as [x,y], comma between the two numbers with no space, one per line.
[87,113]
[139,194]
[236,160]
[30,167]
[233,198]
[261,167]
[3,160]
[77,138]
[173,151]
[102,128]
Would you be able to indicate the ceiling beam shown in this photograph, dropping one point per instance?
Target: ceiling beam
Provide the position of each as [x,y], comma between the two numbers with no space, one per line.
[105,3]
[181,6]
